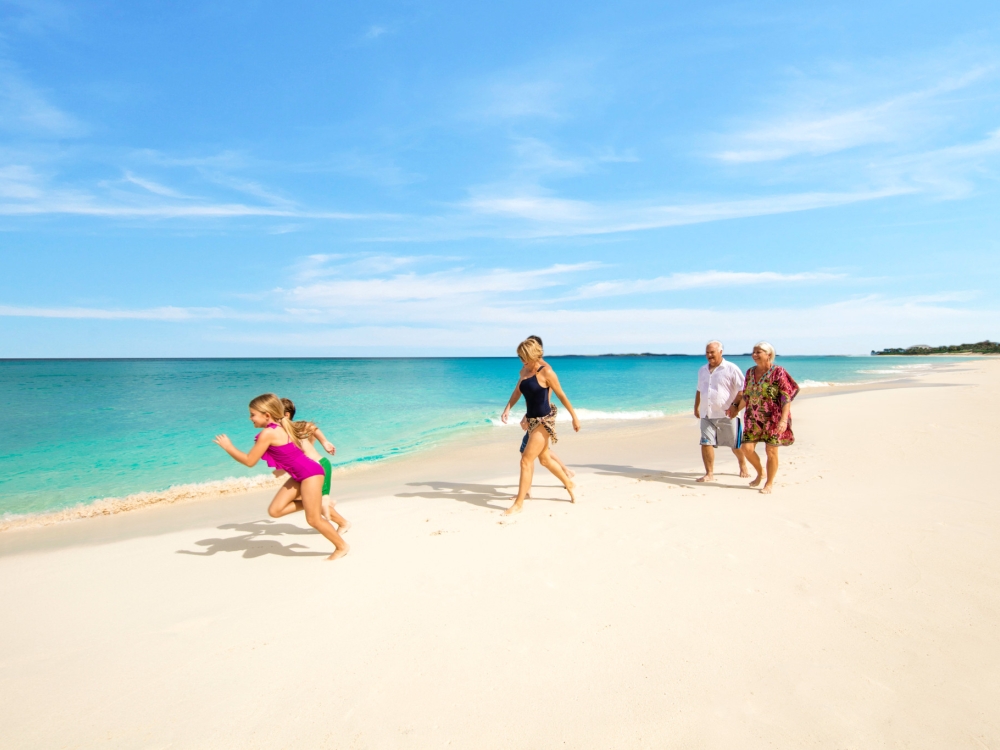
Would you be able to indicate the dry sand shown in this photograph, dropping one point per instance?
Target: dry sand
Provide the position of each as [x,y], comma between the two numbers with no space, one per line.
[857,607]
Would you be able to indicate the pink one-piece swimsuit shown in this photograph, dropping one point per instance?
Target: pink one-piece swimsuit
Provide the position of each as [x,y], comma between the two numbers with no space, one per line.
[290,459]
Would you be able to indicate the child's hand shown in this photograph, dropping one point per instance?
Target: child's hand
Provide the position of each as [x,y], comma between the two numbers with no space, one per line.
[223,442]
[278,472]
[328,447]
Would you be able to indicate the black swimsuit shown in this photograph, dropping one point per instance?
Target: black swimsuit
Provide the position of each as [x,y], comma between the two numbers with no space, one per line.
[535,396]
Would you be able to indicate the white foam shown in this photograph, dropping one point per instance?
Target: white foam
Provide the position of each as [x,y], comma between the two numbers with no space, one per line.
[111,505]
[589,415]
[815,384]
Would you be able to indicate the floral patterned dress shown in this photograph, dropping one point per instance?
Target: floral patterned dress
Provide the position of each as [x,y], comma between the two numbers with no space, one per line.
[765,397]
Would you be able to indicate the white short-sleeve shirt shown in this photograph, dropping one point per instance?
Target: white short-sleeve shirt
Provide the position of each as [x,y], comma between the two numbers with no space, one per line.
[719,388]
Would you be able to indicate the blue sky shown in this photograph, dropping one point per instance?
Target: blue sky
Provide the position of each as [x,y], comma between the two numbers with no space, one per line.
[269,179]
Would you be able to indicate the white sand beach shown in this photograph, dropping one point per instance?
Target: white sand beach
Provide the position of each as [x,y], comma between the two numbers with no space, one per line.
[857,607]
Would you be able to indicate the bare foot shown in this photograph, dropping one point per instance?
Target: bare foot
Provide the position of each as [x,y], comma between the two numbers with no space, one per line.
[707,478]
[527,495]
[570,473]
[344,527]
[766,489]
[569,488]
[337,554]
[515,508]
[744,472]
[756,481]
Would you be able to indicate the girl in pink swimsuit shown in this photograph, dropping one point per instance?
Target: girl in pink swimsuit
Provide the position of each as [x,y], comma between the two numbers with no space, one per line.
[278,444]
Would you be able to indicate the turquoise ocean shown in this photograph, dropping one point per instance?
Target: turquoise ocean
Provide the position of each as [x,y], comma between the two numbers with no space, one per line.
[84,430]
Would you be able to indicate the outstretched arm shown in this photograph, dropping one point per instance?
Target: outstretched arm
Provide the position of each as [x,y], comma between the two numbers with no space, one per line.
[247,459]
[327,445]
[553,382]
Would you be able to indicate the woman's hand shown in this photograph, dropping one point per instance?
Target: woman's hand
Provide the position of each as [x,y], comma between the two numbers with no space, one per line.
[223,442]
[328,447]
[576,424]
[524,422]
[506,413]
[782,425]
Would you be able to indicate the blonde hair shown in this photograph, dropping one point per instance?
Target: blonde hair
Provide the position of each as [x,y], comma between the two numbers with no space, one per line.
[529,350]
[766,348]
[271,405]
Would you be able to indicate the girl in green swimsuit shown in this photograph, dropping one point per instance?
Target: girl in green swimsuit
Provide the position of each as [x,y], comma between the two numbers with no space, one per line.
[314,433]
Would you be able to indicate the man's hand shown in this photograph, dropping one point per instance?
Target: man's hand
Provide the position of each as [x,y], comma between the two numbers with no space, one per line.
[697,412]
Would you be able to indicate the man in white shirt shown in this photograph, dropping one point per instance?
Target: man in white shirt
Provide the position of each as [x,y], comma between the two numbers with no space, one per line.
[720,384]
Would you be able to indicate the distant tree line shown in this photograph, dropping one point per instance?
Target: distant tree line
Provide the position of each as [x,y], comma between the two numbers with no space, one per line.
[983,347]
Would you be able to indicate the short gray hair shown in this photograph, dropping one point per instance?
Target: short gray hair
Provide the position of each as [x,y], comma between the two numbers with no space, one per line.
[766,348]
[717,343]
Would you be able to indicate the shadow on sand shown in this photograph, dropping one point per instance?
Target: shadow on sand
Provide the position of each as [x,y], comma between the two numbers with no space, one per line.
[494,497]
[676,478]
[251,543]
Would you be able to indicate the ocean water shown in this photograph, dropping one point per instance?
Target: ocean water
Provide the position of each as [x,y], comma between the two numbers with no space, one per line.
[84,430]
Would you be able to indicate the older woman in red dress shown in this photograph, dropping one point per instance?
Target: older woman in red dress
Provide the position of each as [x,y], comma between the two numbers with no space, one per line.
[767,393]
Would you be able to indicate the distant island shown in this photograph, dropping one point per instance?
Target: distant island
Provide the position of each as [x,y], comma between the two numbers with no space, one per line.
[983,347]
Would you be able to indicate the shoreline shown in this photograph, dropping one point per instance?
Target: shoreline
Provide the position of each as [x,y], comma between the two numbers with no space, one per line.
[354,481]
[240,486]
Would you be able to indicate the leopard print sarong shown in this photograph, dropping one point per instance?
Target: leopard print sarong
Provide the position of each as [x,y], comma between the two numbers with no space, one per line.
[549,423]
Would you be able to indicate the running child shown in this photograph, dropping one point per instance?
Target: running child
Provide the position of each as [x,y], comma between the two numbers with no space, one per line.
[311,433]
[280,446]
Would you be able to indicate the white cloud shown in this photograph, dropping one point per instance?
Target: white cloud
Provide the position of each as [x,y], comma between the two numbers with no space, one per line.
[425,295]
[697,280]
[24,109]
[545,216]
[375,31]
[823,132]
[151,186]
[175,314]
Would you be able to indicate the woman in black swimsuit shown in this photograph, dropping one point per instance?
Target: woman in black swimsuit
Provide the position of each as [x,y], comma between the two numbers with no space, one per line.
[536,380]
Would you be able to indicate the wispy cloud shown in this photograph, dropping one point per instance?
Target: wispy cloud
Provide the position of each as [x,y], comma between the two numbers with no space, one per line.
[546,216]
[151,186]
[827,131]
[24,192]
[25,110]
[698,280]
[454,288]
[375,31]
[175,314]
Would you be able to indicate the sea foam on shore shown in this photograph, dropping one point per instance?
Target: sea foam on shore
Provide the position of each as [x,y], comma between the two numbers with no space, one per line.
[110,505]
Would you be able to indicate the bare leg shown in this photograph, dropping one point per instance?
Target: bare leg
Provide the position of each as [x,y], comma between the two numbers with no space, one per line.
[536,442]
[750,452]
[343,525]
[772,468]
[744,474]
[312,499]
[707,458]
[546,459]
[566,470]
[285,501]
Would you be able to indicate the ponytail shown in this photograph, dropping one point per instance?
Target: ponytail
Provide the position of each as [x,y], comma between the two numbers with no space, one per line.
[293,434]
